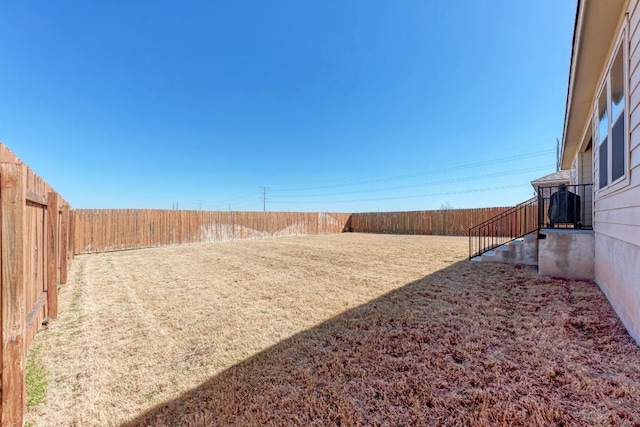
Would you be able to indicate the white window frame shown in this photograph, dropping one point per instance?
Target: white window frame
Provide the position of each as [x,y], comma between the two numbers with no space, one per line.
[622,42]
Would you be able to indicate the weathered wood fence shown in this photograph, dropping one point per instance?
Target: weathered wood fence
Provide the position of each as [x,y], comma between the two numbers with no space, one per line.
[103,230]
[445,222]
[35,254]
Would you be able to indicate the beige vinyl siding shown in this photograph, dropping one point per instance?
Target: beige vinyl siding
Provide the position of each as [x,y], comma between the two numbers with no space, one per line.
[586,167]
[634,66]
[585,171]
[634,37]
[617,214]
[634,59]
[635,111]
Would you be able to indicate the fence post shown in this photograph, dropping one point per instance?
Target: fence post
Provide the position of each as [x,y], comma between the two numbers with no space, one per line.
[65,225]
[53,254]
[12,242]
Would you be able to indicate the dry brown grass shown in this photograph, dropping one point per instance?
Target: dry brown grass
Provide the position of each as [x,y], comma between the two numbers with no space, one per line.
[331,330]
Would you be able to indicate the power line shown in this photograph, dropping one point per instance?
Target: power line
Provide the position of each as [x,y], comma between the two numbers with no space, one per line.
[471,190]
[201,205]
[282,193]
[521,156]
[423,184]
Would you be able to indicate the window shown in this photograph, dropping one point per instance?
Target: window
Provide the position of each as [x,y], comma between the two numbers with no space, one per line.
[610,116]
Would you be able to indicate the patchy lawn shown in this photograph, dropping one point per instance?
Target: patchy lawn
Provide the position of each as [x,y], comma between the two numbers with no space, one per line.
[346,329]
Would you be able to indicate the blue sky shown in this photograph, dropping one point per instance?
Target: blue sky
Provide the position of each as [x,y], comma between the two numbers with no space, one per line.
[332,105]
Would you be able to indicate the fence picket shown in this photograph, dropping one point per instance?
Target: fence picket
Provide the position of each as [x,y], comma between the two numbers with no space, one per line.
[449,222]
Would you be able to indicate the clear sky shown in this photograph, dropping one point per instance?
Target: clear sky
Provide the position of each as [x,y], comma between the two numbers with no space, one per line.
[332,105]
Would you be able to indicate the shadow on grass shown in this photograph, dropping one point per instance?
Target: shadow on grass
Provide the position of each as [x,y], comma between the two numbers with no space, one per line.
[472,344]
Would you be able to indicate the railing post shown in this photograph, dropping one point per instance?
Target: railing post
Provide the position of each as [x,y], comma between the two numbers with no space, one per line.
[540,208]
[12,241]
[576,208]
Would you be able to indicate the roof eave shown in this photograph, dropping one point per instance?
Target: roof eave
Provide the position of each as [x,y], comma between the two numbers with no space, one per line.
[594,30]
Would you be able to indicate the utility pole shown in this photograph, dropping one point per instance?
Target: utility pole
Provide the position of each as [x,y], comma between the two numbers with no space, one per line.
[264,199]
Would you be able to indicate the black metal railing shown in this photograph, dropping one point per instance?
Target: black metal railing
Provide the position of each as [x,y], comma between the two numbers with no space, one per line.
[565,206]
[510,225]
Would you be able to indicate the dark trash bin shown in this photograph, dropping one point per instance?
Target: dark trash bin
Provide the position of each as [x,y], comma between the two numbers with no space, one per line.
[564,208]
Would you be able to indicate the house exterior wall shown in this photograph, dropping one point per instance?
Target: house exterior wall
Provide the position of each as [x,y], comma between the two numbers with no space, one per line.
[617,272]
[617,207]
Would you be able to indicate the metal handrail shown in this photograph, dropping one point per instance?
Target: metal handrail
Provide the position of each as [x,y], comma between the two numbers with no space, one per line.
[503,228]
[507,212]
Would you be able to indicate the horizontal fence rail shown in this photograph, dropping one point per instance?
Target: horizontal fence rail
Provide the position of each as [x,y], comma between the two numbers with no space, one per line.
[565,206]
[509,225]
[445,222]
[103,230]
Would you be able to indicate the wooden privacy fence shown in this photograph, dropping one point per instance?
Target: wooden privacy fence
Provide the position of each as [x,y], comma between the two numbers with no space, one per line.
[35,255]
[101,230]
[445,222]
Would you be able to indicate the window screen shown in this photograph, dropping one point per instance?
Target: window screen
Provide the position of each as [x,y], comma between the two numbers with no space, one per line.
[617,149]
[602,164]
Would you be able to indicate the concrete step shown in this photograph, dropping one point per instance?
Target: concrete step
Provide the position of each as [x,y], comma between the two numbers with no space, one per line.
[488,256]
[520,251]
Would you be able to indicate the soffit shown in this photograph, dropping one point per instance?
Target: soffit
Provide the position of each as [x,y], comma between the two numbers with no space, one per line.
[595,28]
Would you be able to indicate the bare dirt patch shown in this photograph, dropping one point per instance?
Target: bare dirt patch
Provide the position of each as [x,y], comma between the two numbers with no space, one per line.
[346,329]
